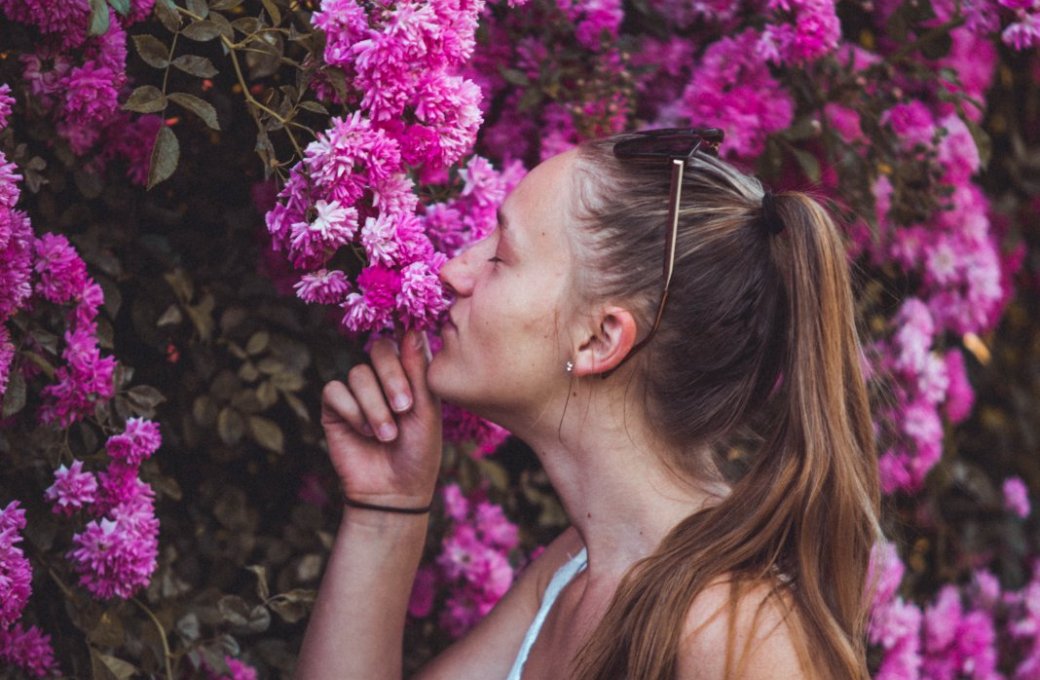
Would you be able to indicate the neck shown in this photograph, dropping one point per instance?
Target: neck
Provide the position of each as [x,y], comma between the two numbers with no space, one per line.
[610,473]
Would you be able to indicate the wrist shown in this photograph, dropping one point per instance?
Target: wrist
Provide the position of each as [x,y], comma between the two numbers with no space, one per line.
[411,509]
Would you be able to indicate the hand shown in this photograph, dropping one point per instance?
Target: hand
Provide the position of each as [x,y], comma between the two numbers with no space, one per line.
[384,426]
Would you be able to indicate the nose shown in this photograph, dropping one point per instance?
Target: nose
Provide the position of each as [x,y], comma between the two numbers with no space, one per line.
[457,273]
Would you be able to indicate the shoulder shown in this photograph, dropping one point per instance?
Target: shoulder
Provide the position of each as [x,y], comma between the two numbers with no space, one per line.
[742,629]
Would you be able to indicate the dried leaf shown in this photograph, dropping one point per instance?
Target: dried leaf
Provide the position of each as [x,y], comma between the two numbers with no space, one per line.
[204,410]
[165,155]
[152,50]
[195,65]
[200,107]
[267,434]
[267,395]
[298,407]
[288,382]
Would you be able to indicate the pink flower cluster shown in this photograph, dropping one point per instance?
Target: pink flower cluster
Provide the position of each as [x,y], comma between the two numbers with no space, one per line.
[812,32]
[352,189]
[28,649]
[78,79]
[732,88]
[957,259]
[473,564]
[15,572]
[48,269]
[115,554]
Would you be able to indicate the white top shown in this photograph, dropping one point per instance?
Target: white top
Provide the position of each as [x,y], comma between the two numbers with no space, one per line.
[559,581]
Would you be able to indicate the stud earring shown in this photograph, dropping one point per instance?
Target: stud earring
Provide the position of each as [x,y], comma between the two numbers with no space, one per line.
[569,366]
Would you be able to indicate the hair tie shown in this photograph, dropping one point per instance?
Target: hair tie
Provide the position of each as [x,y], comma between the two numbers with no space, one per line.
[770,218]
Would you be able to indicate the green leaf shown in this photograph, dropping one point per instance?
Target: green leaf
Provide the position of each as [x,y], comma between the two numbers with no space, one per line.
[168,15]
[14,397]
[230,426]
[314,107]
[195,65]
[808,163]
[273,11]
[152,50]
[122,7]
[258,342]
[98,18]
[145,397]
[267,434]
[200,107]
[514,77]
[262,591]
[201,31]
[225,4]
[198,8]
[165,154]
[111,666]
[146,99]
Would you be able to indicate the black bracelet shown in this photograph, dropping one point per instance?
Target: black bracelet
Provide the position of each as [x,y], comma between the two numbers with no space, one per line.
[386,508]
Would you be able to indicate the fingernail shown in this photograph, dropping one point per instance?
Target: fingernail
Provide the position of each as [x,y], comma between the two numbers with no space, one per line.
[402,402]
[387,432]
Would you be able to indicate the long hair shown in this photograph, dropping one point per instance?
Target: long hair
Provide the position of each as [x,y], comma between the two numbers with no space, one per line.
[759,335]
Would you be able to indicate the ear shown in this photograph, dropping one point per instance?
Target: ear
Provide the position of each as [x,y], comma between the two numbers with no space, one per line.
[607,343]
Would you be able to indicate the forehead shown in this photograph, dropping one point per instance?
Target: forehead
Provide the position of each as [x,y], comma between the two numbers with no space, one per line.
[539,211]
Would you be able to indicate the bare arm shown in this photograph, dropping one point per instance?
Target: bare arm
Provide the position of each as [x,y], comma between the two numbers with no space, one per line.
[356,628]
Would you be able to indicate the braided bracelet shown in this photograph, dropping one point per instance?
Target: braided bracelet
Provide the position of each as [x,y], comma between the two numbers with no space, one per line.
[350,502]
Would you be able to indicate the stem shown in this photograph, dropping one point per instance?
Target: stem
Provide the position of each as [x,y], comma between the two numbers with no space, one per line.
[162,635]
[252,100]
[169,61]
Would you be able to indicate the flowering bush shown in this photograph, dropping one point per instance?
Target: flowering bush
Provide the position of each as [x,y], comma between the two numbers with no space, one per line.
[233,197]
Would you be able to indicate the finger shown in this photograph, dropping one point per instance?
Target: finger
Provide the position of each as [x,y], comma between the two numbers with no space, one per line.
[391,375]
[369,395]
[415,359]
[338,403]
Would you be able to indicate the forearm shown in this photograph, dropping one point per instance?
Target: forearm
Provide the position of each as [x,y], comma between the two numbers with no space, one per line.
[357,625]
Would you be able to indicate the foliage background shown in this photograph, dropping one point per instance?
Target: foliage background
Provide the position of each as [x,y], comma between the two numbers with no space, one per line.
[202,310]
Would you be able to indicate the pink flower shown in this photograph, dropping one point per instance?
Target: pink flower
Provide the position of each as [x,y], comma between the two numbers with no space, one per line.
[960,397]
[15,572]
[91,98]
[424,588]
[1016,496]
[139,441]
[116,556]
[323,287]
[912,123]
[6,104]
[456,505]
[72,489]
[733,89]
[62,272]
[494,527]
[239,670]
[28,649]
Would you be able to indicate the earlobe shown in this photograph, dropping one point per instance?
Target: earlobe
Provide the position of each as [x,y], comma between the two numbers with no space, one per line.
[608,343]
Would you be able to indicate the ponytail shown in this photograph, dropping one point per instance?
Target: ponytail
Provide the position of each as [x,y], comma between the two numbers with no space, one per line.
[803,516]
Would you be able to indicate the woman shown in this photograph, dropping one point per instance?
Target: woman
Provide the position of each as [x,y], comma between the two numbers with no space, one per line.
[631,385]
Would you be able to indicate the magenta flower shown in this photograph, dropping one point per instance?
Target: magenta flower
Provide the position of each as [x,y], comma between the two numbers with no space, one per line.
[139,441]
[72,489]
[1016,497]
[116,556]
[15,572]
[28,649]
[62,273]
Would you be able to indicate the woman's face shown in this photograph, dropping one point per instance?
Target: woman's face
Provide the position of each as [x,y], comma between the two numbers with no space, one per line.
[502,346]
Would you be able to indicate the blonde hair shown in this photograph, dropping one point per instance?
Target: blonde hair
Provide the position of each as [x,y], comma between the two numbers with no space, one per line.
[758,336]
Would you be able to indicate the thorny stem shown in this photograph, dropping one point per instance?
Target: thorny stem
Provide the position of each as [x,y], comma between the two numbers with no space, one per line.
[162,636]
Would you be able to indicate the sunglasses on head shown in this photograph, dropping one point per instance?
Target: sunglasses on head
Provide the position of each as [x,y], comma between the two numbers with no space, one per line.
[677,145]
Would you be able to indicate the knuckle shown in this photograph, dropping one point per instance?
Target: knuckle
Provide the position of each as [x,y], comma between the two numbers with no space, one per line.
[359,374]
